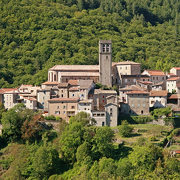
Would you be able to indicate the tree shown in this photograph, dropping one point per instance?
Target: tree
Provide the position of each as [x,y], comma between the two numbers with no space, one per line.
[45,162]
[32,129]
[12,121]
[125,129]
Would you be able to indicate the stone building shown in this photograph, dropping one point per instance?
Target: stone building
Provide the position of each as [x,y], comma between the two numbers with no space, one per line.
[155,75]
[175,70]
[158,99]
[137,103]
[63,107]
[171,84]
[124,68]
[105,62]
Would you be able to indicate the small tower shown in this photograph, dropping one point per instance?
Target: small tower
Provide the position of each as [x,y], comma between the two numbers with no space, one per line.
[105,64]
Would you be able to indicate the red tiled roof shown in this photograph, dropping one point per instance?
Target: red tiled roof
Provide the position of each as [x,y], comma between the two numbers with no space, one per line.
[73,82]
[173,96]
[48,82]
[137,92]
[177,68]
[158,93]
[145,82]
[155,72]
[75,67]
[173,79]
[63,99]
[125,63]
[73,89]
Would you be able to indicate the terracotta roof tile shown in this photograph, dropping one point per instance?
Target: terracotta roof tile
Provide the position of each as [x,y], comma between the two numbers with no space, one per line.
[63,99]
[126,62]
[73,82]
[173,79]
[48,82]
[75,68]
[137,92]
[173,96]
[73,89]
[158,93]
[155,72]
[80,74]
[177,68]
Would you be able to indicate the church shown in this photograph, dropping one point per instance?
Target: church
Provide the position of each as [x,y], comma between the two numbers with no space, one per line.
[107,72]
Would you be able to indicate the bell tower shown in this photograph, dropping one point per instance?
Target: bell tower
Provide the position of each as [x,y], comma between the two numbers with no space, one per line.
[105,54]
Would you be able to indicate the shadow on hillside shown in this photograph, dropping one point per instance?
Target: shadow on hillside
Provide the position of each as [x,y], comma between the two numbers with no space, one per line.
[121,152]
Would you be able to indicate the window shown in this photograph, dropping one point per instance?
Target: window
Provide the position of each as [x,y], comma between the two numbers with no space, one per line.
[54,77]
[103,96]
[120,67]
[107,47]
[156,78]
[125,80]
[144,105]
[102,123]
[64,112]
[64,107]
[126,68]
[7,103]
[73,95]
[152,102]
[61,95]
[153,78]
[72,107]
[106,57]
[144,99]
[134,80]
[103,47]
[142,112]
[138,99]
[30,101]
[43,98]
[84,108]
[132,105]
[57,112]
[138,105]
[103,101]
[162,78]
[62,91]
[132,99]
[7,98]
[57,107]
[10,103]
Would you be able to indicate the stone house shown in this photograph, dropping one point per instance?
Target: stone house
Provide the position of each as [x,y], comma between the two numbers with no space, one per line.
[100,117]
[155,75]
[63,107]
[159,86]
[171,84]
[175,70]
[99,97]
[10,97]
[137,103]
[85,106]
[124,68]
[158,99]
[123,91]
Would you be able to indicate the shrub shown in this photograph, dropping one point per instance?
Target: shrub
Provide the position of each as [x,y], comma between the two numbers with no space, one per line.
[152,138]
[125,129]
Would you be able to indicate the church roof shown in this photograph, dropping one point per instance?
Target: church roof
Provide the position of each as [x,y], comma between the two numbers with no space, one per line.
[75,68]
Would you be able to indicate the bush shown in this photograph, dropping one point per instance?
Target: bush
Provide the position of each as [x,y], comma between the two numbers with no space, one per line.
[136,119]
[125,129]
[52,117]
[152,138]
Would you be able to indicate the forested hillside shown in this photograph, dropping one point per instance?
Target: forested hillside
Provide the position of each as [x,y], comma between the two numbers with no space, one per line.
[37,34]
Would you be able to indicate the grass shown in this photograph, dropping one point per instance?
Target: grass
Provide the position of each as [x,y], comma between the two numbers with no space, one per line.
[146,131]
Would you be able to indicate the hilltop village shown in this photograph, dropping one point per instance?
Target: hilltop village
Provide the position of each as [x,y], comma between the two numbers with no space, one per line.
[74,88]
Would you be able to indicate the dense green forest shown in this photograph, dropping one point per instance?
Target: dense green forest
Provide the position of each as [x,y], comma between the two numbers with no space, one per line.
[30,150]
[37,34]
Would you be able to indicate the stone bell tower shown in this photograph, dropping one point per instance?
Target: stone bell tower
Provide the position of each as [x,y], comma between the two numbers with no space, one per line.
[105,54]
